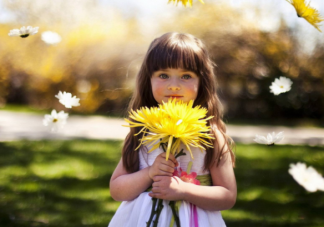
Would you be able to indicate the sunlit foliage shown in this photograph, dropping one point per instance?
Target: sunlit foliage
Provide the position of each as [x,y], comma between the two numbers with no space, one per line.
[91,61]
[248,60]
[98,59]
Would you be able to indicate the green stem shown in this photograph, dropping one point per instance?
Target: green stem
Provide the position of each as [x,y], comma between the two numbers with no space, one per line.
[174,212]
[180,154]
[148,224]
[158,212]
[164,146]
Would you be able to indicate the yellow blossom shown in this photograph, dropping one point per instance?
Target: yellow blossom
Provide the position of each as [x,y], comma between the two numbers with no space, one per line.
[172,123]
[185,2]
[304,10]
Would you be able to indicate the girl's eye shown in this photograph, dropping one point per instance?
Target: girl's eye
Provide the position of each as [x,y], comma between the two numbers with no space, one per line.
[186,76]
[163,76]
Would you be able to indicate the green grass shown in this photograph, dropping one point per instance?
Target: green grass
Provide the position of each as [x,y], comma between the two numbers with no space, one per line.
[29,109]
[304,122]
[23,108]
[66,183]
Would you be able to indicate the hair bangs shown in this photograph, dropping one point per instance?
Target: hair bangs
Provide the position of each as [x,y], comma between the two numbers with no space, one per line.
[173,55]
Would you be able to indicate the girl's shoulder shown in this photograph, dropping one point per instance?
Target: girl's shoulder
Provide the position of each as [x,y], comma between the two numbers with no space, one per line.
[222,142]
[220,137]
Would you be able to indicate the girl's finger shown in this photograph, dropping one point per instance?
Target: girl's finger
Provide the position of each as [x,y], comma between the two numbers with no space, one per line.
[154,195]
[167,174]
[167,168]
[156,178]
[173,159]
[168,163]
[164,173]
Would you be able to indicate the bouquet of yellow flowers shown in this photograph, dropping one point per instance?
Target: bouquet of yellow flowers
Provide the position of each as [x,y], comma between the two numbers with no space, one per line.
[172,123]
[169,125]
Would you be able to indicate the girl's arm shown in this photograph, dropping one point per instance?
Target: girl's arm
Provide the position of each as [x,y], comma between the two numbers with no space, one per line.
[126,186]
[221,196]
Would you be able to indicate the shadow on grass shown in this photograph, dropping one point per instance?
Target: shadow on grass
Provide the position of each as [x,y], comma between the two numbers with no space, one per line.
[40,187]
[66,183]
[267,193]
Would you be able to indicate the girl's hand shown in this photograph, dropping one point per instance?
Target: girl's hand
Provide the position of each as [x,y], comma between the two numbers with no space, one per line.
[161,167]
[168,188]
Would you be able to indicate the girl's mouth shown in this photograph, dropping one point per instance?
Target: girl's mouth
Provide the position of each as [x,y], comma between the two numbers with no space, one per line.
[174,96]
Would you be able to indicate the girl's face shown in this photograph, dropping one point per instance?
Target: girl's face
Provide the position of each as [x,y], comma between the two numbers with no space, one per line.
[175,84]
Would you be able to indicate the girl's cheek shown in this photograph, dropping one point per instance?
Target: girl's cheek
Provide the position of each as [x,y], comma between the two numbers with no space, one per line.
[158,89]
[154,85]
[194,87]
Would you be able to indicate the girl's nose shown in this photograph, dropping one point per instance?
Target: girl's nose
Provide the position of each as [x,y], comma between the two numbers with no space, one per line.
[174,85]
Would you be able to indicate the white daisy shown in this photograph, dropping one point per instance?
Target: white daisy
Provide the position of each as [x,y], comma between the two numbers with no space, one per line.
[51,38]
[309,178]
[271,138]
[23,32]
[67,100]
[281,85]
[55,120]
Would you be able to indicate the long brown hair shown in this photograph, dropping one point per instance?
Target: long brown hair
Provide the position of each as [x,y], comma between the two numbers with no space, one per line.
[178,50]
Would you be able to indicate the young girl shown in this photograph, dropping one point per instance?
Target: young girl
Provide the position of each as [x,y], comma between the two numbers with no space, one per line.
[175,66]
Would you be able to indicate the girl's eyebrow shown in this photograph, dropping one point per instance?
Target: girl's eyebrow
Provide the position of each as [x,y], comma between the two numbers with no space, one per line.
[186,71]
[182,70]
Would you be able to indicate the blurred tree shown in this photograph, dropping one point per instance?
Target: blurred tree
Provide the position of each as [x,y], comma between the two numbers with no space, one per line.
[91,61]
[249,59]
[101,51]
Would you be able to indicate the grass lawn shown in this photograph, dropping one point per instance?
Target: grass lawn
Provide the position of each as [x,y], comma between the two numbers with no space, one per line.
[66,183]
[23,108]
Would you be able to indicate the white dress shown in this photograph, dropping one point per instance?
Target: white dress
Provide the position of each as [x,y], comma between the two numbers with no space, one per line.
[137,212]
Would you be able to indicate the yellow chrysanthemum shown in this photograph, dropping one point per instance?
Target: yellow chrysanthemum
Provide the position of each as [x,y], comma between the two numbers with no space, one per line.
[308,13]
[172,123]
[185,2]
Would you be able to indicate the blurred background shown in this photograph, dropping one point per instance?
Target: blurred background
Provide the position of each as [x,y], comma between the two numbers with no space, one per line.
[64,181]
[103,43]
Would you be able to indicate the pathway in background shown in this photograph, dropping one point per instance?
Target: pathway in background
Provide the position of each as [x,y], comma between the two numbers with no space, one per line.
[19,126]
